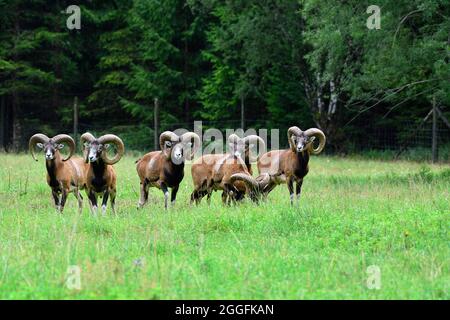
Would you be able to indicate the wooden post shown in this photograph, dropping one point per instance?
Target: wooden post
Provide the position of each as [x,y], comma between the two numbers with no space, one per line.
[434,146]
[242,113]
[2,123]
[75,118]
[156,123]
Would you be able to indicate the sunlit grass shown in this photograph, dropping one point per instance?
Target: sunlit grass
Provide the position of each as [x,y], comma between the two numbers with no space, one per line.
[353,214]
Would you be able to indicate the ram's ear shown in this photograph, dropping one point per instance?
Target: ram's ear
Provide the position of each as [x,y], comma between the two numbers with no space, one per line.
[168,144]
[86,144]
[40,145]
[107,146]
[311,139]
[60,146]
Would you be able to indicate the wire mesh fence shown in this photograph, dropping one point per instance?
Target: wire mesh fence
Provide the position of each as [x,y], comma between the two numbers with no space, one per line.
[406,134]
[139,136]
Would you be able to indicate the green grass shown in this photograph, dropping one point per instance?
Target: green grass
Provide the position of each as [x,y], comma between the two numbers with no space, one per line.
[353,214]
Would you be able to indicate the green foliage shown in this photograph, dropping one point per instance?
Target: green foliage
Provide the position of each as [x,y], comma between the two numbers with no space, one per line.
[303,62]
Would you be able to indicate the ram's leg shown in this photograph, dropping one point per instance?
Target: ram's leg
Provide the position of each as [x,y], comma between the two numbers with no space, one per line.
[79,197]
[194,196]
[56,199]
[208,191]
[105,201]
[173,196]
[93,202]
[230,197]
[290,184]
[165,190]
[144,194]
[224,197]
[64,195]
[227,194]
[298,189]
[113,194]
[208,198]
[197,196]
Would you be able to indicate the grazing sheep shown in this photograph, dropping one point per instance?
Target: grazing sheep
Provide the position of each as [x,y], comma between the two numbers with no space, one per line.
[101,177]
[165,169]
[64,175]
[212,172]
[291,165]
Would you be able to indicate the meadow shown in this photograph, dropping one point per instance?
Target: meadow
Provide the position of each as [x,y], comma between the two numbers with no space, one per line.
[354,213]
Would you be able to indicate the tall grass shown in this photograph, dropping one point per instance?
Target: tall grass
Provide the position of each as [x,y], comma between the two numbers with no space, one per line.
[353,214]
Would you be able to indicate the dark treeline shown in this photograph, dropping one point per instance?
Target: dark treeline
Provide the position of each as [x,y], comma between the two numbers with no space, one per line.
[302,62]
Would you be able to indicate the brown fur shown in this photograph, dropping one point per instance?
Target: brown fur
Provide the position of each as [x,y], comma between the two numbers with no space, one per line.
[63,178]
[156,170]
[285,166]
[101,179]
[213,172]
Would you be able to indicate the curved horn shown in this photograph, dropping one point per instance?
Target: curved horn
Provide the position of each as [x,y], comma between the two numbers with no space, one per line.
[254,139]
[236,143]
[187,137]
[64,138]
[37,138]
[111,138]
[246,178]
[293,131]
[233,138]
[167,136]
[314,132]
[86,137]
[263,180]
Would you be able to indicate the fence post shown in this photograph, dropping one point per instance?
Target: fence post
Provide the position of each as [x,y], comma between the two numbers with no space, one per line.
[242,113]
[156,123]
[434,147]
[75,118]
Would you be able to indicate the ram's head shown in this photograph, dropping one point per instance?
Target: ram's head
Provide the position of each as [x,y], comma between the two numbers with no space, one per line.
[179,148]
[240,147]
[254,188]
[97,148]
[51,146]
[300,141]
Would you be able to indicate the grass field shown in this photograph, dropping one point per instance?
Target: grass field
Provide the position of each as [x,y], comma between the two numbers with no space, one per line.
[353,214]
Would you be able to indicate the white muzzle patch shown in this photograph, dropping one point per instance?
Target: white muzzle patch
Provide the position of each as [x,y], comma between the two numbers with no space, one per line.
[92,156]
